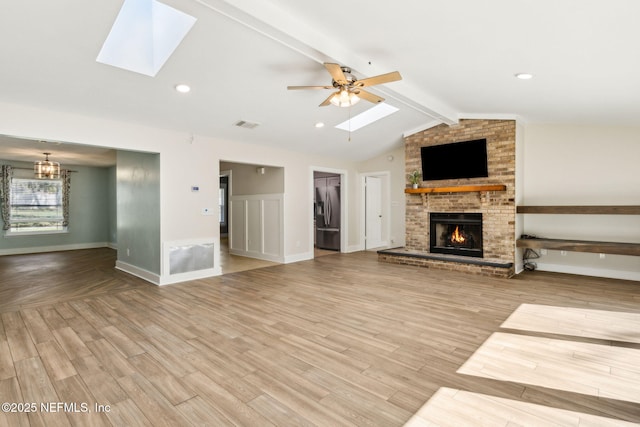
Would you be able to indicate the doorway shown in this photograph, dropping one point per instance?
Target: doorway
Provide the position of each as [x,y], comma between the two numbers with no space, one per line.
[223,202]
[327,205]
[375,219]
[329,228]
[250,206]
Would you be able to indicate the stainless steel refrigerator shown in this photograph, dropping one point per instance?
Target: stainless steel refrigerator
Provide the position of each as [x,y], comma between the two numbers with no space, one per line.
[327,211]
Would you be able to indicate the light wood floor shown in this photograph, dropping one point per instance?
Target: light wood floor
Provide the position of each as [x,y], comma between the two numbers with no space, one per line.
[233,263]
[338,340]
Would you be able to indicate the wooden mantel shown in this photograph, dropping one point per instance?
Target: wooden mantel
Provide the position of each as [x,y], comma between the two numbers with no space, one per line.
[457,189]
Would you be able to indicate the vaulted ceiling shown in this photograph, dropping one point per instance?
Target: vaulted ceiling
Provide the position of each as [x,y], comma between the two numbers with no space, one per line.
[458,60]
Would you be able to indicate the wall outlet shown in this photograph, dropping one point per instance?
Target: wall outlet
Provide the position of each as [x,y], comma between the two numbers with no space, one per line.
[602,256]
[563,253]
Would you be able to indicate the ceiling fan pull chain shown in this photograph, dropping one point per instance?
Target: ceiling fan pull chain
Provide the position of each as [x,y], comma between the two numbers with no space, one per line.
[349,124]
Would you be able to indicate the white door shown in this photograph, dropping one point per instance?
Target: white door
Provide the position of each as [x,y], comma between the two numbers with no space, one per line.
[373,212]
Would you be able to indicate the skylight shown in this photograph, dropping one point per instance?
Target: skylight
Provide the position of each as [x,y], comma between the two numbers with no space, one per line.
[144,35]
[365,118]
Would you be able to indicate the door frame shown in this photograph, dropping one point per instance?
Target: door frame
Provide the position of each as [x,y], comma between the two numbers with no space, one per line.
[344,226]
[385,195]
[227,174]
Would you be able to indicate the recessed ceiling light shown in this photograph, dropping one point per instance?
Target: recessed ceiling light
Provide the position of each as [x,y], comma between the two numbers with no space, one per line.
[524,76]
[319,125]
[183,88]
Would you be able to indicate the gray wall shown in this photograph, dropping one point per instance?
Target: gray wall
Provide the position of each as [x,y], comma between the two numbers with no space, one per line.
[112,194]
[88,212]
[138,206]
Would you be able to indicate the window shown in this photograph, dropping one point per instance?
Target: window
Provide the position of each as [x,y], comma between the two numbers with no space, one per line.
[36,205]
[32,206]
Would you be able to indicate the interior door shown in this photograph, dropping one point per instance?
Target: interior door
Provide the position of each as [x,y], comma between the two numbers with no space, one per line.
[373,212]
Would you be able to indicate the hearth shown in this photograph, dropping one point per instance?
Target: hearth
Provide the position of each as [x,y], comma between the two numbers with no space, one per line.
[456,234]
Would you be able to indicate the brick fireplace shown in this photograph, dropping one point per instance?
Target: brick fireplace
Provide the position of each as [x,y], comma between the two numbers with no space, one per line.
[496,208]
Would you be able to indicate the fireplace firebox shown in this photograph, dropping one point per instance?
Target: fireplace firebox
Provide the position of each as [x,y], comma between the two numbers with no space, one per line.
[456,234]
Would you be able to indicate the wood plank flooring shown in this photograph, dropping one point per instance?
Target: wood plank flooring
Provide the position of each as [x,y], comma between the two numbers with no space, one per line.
[581,322]
[335,341]
[585,368]
[444,409]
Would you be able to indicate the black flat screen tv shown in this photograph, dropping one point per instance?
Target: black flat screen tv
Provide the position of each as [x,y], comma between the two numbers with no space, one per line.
[466,159]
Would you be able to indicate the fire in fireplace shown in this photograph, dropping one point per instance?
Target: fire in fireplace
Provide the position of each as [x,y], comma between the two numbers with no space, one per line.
[456,234]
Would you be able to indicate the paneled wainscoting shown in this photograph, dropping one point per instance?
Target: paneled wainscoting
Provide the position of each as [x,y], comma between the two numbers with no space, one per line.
[339,340]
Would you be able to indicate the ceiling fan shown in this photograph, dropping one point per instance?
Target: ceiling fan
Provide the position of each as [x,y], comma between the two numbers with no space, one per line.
[349,88]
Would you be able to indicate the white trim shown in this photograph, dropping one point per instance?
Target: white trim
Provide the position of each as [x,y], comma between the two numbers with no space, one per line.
[261,198]
[344,202]
[385,177]
[421,128]
[191,275]
[257,255]
[57,248]
[355,248]
[305,256]
[138,272]
[495,116]
[10,233]
[589,271]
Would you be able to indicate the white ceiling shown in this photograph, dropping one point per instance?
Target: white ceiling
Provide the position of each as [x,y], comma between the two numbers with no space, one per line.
[457,58]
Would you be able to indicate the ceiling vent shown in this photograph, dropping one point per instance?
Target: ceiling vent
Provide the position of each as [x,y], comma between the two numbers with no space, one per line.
[247,125]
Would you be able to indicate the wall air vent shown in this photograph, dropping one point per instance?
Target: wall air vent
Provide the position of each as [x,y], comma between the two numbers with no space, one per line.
[247,125]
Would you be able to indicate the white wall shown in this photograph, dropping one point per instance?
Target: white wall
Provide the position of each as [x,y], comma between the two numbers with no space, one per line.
[397,184]
[583,165]
[187,161]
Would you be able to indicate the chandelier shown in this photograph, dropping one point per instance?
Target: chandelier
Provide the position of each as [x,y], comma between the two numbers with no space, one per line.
[46,169]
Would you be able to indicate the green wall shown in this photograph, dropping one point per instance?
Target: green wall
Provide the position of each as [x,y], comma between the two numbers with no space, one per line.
[138,207]
[89,214]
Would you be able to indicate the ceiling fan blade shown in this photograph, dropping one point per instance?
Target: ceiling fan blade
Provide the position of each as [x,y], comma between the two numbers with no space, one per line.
[336,73]
[309,87]
[376,80]
[328,100]
[368,96]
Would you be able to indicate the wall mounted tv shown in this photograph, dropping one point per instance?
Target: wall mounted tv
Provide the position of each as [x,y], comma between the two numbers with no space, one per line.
[466,159]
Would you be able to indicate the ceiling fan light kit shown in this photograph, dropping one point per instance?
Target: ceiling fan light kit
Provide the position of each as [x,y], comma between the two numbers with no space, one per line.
[344,98]
[349,88]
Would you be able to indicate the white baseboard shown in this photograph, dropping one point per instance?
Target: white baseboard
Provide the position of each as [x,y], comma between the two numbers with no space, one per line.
[56,248]
[170,279]
[304,256]
[257,255]
[587,271]
[355,248]
[191,275]
[139,272]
